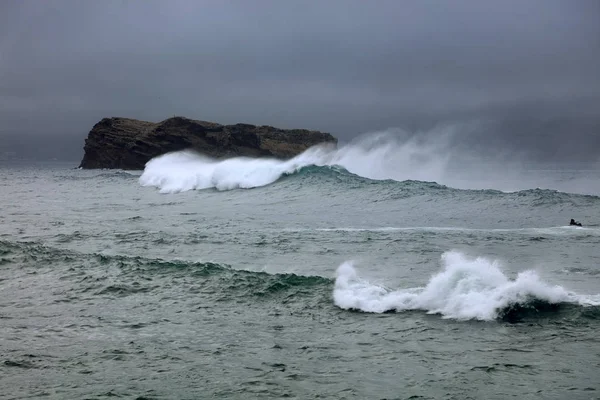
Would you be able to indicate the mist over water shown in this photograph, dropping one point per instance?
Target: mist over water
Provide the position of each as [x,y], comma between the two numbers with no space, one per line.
[389,155]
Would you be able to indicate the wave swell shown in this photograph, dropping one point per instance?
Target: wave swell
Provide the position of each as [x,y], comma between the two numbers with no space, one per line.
[118,275]
[376,156]
[183,171]
[380,156]
[465,289]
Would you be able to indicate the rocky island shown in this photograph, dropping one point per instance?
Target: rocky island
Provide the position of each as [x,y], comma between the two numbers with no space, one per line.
[129,144]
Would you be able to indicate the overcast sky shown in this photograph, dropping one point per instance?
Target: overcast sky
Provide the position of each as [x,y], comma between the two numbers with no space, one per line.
[529,69]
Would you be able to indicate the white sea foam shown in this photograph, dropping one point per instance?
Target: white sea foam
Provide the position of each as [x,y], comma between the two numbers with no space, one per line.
[182,171]
[382,155]
[374,156]
[548,231]
[464,289]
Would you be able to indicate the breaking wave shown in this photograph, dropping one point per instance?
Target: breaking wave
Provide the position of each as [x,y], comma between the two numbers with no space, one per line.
[377,156]
[464,289]
[380,156]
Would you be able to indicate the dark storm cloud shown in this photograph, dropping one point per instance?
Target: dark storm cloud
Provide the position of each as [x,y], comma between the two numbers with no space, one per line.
[529,67]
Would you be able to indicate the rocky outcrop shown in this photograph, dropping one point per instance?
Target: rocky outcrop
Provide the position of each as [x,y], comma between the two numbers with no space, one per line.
[129,144]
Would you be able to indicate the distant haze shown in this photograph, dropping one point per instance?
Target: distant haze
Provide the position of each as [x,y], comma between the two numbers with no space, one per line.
[511,76]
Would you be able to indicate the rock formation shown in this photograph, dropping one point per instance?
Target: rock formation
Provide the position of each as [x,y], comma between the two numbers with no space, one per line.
[129,144]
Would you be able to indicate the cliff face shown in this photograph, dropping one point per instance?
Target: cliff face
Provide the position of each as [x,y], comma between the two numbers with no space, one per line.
[129,144]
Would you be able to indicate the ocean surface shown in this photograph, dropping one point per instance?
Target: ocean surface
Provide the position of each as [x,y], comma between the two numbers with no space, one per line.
[375,271]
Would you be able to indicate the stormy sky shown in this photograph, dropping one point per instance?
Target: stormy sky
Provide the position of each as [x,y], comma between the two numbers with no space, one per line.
[527,73]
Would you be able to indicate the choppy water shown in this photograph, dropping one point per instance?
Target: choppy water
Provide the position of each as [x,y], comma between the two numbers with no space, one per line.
[329,276]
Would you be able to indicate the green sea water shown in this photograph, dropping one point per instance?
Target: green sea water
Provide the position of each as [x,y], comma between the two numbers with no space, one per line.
[265,280]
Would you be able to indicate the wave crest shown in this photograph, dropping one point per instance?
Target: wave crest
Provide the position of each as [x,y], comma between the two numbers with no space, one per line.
[186,170]
[464,289]
[378,156]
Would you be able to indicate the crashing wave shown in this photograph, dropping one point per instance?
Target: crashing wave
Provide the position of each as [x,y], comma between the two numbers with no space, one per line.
[464,289]
[381,156]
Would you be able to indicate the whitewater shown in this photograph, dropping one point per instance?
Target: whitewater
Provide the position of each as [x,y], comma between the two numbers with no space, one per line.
[384,268]
[464,289]
[377,156]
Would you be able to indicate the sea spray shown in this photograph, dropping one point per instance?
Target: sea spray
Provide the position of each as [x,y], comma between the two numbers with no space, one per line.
[375,156]
[186,170]
[383,155]
[464,289]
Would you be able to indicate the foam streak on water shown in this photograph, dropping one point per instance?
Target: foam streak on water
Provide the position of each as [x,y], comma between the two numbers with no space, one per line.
[464,289]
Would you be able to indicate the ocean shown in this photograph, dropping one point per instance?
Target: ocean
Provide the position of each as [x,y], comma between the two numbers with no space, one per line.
[375,271]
